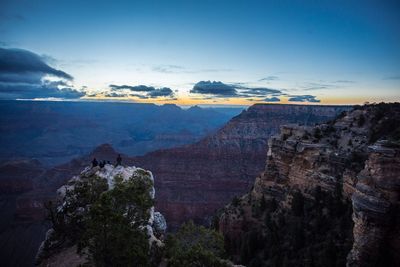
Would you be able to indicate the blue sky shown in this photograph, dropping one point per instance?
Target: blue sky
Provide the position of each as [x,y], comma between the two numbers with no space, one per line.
[310,51]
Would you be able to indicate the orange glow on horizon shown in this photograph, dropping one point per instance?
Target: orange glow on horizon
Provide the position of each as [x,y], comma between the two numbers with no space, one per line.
[187,101]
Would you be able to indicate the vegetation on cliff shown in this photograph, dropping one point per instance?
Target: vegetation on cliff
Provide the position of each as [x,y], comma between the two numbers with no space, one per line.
[328,197]
[106,215]
[310,232]
[195,246]
[106,221]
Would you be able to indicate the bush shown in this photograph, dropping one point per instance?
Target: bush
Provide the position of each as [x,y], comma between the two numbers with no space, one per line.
[361,121]
[107,225]
[195,246]
[317,133]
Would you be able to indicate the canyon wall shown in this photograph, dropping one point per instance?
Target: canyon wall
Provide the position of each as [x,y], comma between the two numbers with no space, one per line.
[325,177]
[194,181]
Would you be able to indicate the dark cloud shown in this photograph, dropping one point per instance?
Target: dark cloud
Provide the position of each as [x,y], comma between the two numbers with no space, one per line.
[269,78]
[139,96]
[214,88]
[260,92]
[148,91]
[219,89]
[303,98]
[272,99]
[31,91]
[115,94]
[22,61]
[162,92]
[23,76]
[137,88]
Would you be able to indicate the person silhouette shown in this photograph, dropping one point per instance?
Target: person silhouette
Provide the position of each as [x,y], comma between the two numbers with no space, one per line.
[94,162]
[119,160]
[102,164]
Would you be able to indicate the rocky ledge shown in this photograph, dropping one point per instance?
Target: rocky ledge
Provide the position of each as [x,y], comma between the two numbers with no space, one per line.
[75,201]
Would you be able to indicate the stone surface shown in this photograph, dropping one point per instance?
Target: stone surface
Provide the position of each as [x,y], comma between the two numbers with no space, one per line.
[358,154]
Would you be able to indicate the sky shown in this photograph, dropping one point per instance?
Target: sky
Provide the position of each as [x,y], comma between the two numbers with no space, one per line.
[201,52]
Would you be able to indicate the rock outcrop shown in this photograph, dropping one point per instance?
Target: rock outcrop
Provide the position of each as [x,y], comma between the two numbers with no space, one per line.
[72,205]
[376,203]
[312,175]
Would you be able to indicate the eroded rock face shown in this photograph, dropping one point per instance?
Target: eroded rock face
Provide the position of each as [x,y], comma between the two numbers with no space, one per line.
[376,203]
[196,180]
[355,157]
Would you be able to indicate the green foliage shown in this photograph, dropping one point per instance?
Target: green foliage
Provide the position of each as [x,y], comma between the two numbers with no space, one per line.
[361,121]
[195,246]
[71,222]
[317,133]
[297,204]
[263,204]
[110,238]
[314,231]
[108,225]
[235,201]
[357,160]
[350,143]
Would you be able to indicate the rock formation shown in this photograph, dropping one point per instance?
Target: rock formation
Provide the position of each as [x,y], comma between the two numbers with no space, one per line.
[312,177]
[191,181]
[76,199]
[194,181]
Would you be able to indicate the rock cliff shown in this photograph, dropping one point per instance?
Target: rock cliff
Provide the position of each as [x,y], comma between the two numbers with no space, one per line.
[323,177]
[194,181]
[84,197]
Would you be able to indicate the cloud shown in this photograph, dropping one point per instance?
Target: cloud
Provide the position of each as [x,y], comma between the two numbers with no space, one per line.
[272,99]
[162,92]
[220,89]
[303,98]
[169,68]
[181,69]
[142,91]
[115,94]
[214,88]
[260,92]
[344,81]
[23,61]
[321,85]
[396,77]
[137,88]
[31,91]
[26,75]
[317,86]
[269,78]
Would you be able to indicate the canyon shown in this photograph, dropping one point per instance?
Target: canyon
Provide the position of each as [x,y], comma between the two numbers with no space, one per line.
[192,181]
[329,195]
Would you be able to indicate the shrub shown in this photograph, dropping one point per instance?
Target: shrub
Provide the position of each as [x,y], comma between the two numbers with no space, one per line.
[195,246]
[361,120]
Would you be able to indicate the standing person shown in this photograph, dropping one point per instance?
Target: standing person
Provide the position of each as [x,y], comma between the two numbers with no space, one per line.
[94,162]
[119,160]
